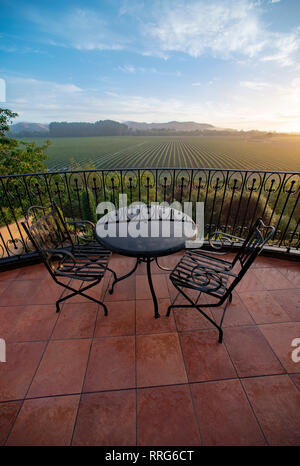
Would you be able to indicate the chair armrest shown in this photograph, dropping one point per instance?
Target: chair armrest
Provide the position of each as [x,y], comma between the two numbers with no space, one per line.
[81,222]
[35,207]
[61,251]
[62,254]
[204,253]
[222,239]
[219,243]
[83,235]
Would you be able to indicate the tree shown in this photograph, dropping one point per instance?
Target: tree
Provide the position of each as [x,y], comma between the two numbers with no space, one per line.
[18,156]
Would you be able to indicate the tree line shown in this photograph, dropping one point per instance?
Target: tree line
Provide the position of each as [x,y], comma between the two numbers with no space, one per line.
[99,128]
[114,128]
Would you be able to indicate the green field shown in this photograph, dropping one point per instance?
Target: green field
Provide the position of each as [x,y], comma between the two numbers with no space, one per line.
[278,152]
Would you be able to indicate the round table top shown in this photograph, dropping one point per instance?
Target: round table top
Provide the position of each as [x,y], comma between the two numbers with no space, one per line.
[145,231]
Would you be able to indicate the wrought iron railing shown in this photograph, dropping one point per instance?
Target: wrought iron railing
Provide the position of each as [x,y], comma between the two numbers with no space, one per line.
[233,199]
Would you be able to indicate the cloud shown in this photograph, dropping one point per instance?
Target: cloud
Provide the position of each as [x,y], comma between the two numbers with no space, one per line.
[254,85]
[111,94]
[127,69]
[253,104]
[291,117]
[36,100]
[79,28]
[130,69]
[50,85]
[285,45]
[155,53]
[46,101]
[8,48]
[199,27]
[227,30]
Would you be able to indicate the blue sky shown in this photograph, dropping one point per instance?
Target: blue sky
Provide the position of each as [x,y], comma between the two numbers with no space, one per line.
[231,63]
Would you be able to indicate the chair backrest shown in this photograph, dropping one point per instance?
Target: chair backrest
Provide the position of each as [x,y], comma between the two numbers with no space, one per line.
[46,229]
[258,236]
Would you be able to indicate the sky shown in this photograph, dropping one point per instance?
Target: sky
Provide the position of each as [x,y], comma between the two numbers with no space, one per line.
[230,63]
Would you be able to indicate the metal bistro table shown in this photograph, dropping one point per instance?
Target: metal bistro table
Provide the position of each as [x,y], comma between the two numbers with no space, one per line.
[145,232]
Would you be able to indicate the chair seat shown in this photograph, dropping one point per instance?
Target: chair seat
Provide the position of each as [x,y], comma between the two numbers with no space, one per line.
[92,249]
[90,263]
[202,273]
[210,260]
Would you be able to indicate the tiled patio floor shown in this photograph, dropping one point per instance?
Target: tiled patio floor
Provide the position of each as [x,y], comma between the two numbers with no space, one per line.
[127,379]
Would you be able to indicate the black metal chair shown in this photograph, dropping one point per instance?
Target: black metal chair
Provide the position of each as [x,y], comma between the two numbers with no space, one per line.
[68,249]
[214,276]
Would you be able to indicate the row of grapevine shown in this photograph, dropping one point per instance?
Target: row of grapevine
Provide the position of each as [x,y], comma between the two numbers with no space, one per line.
[174,152]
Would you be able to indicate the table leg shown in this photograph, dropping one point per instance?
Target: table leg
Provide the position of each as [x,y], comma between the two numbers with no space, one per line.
[166,269]
[156,313]
[124,276]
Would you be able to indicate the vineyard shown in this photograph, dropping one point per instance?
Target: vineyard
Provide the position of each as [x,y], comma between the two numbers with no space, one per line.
[237,179]
[273,153]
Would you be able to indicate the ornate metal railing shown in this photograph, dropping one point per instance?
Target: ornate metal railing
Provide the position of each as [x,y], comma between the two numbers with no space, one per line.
[232,199]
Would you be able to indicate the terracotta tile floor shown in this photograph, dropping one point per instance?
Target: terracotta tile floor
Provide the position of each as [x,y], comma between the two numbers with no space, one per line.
[81,378]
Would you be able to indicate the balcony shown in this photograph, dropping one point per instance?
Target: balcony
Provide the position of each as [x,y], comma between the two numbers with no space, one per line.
[79,378]
[128,379]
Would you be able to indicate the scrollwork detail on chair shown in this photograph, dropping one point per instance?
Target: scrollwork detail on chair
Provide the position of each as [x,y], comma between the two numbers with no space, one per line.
[56,257]
[203,276]
[219,239]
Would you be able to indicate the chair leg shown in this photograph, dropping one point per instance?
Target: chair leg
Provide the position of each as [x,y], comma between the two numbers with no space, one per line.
[195,306]
[104,307]
[81,292]
[229,300]
[169,310]
[177,305]
[220,335]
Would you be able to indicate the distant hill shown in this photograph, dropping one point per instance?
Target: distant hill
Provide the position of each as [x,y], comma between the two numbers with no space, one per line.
[114,128]
[171,125]
[24,127]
